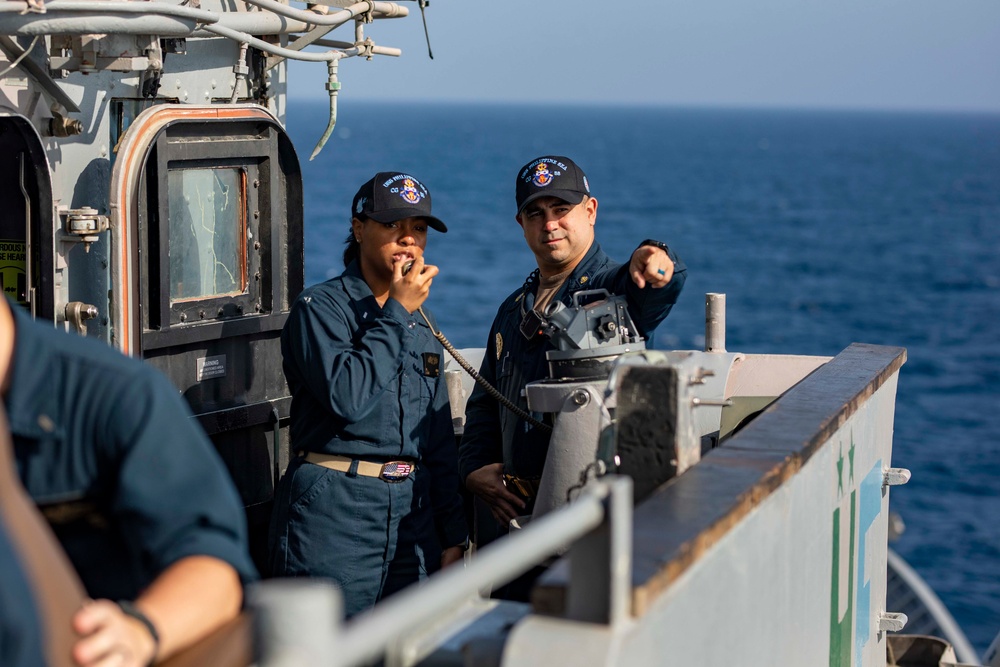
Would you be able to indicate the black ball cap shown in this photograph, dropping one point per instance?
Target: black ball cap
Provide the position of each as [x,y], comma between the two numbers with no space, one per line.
[392,195]
[550,176]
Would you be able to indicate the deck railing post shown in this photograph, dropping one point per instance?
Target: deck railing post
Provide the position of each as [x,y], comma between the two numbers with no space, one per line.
[296,622]
[715,322]
[600,584]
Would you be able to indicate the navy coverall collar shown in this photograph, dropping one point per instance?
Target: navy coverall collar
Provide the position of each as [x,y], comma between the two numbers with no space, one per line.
[584,270]
[576,281]
[354,282]
[359,291]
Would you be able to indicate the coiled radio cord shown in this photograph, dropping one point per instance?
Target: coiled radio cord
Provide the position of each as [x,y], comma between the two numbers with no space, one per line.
[503,400]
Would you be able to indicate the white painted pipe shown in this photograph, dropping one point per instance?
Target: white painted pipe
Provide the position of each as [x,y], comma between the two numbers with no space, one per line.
[81,17]
[383,9]
[295,621]
[715,322]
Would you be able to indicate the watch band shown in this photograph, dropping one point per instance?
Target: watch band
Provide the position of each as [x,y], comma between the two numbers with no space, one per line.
[129,609]
[657,244]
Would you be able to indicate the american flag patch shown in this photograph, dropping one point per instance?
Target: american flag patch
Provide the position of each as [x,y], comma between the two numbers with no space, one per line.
[396,471]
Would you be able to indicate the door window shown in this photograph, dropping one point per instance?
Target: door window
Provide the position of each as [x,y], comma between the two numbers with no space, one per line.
[207,232]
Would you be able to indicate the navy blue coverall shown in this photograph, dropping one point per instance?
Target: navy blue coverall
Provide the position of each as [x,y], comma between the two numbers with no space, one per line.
[367,384]
[20,629]
[494,434]
[107,448]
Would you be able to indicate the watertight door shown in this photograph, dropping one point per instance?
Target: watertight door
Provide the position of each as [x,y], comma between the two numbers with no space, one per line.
[25,217]
[209,220]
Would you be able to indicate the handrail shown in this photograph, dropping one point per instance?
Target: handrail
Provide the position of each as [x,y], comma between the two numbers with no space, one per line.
[367,637]
[949,627]
[495,565]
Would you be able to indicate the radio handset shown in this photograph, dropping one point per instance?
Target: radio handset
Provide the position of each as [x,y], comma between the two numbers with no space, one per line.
[472,371]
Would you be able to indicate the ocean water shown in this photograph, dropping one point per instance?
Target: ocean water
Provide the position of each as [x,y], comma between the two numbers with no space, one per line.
[822,228]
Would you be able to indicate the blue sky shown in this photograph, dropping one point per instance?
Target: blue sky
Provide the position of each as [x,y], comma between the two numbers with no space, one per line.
[874,54]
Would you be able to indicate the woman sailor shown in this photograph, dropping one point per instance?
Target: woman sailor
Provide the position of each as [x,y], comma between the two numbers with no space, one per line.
[371,500]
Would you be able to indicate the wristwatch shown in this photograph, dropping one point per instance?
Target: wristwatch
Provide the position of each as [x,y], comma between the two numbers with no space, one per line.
[656,244]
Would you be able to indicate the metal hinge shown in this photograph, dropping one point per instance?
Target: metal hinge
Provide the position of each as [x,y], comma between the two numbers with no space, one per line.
[82,225]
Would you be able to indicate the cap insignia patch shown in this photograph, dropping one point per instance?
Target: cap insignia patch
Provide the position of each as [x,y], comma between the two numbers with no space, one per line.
[542,176]
[361,205]
[409,192]
[499,345]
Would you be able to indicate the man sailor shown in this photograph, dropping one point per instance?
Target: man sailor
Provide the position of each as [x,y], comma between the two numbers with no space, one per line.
[501,455]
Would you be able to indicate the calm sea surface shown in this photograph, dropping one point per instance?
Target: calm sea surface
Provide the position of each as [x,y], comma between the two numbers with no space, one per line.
[822,228]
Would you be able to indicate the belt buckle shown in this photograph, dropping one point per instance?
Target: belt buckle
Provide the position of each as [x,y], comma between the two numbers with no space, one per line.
[395,471]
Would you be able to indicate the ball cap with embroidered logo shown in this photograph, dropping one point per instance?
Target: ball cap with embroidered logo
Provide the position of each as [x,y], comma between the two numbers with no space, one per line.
[550,176]
[392,195]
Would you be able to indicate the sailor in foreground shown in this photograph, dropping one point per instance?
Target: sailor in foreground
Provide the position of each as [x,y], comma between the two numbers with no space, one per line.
[20,623]
[502,456]
[132,488]
[372,500]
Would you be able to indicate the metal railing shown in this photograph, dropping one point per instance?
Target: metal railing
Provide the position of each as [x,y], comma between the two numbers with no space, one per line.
[297,621]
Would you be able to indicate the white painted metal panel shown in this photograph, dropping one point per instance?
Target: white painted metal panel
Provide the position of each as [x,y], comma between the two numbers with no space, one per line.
[773,590]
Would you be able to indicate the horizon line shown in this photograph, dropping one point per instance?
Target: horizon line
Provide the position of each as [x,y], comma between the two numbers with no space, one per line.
[694,106]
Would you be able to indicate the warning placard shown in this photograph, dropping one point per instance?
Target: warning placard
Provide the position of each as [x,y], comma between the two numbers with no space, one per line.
[211,367]
[13,269]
